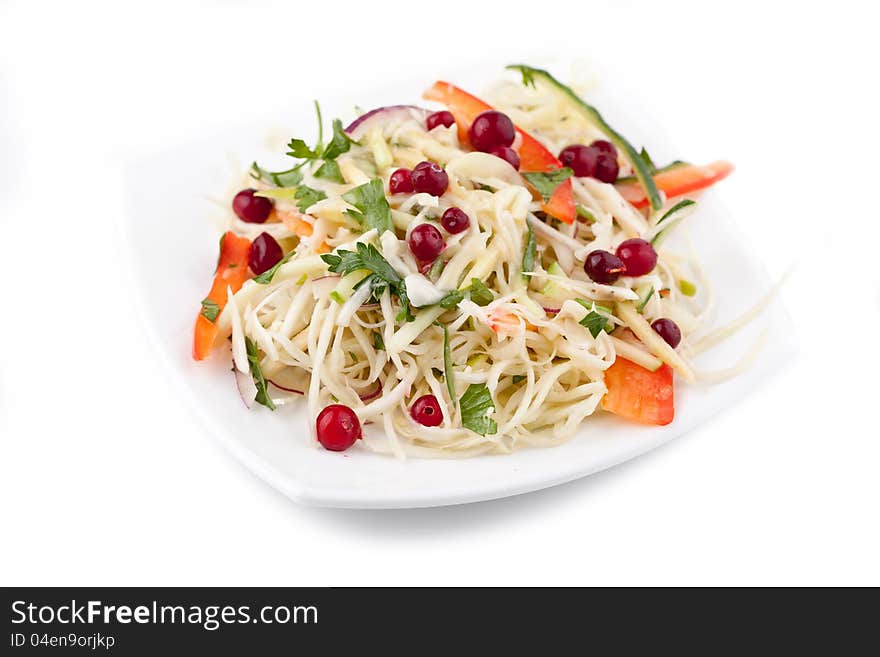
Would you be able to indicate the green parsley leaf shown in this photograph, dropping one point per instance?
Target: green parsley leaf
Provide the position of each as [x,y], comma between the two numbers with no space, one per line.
[451,300]
[329,170]
[476,405]
[306,197]
[546,183]
[339,144]
[378,342]
[528,261]
[253,356]
[480,294]
[595,323]
[373,208]
[368,257]
[447,365]
[266,277]
[210,309]
[299,149]
[596,320]
[517,378]
[290,178]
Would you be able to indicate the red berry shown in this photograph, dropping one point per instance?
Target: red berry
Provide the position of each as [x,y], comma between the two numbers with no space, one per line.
[508,154]
[490,129]
[265,253]
[606,168]
[429,178]
[668,330]
[638,256]
[443,118]
[426,411]
[603,267]
[400,182]
[426,242]
[604,146]
[455,220]
[580,159]
[338,427]
[250,208]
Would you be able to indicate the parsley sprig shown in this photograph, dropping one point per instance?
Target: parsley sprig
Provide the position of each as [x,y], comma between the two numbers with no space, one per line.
[596,320]
[382,275]
[476,406]
[547,182]
[373,210]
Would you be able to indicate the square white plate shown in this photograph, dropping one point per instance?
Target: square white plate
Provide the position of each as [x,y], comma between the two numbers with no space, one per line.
[172,236]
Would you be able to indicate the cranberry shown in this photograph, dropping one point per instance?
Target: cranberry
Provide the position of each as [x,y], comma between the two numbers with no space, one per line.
[508,154]
[426,242]
[338,427]
[638,256]
[490,129]
[603,267]
[250,208]
[264,254]
[426,411]
[581,159]
[455,220]
[606,168]
[604,146]
[668,330]
[400,182]
[443,118]
[430,178]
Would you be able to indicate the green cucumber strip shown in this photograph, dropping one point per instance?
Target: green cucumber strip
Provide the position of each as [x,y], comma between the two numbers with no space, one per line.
[687,288]
[449,373]
[346,285]
[645,293]
[675,164]
[641,168]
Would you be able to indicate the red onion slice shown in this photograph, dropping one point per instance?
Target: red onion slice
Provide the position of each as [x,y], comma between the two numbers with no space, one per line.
[281,387]
[364,123]
[372,395]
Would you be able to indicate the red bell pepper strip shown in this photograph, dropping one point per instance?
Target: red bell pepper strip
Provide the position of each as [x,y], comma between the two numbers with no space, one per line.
[232,272]
[532,154]
[639,394]
[678,181]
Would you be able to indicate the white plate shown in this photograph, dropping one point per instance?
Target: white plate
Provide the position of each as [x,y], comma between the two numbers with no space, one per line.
[172,233]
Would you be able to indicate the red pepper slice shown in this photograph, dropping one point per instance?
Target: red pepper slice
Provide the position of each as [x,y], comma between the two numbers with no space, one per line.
[232,272]
[533,156]
[678,181]
[639,394]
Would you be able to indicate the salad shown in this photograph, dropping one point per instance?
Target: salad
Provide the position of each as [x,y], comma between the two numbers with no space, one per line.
[473,278]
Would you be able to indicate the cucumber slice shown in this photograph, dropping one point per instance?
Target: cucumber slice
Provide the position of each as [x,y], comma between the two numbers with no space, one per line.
[687,288]
[640,167]
[676,164]
[346,285]
[645,293]
[552,289]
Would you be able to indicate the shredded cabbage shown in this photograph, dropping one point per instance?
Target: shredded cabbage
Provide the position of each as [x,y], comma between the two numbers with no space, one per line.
[517,333]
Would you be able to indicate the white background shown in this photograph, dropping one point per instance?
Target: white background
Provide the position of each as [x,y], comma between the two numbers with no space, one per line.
[107,479]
